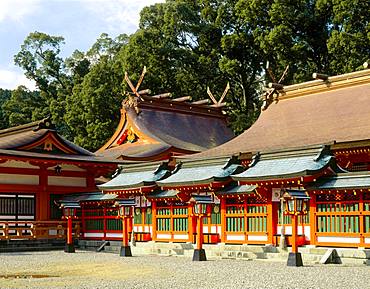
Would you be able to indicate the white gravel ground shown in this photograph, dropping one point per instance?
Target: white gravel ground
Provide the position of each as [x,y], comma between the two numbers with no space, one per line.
[103,270]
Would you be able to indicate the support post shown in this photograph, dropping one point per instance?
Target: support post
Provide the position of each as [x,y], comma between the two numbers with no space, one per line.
[271,219]
[294,258]
[282,244]
[199,252]
[69,247]
[154,220]
[223,220]
[125,248]
[313,220]
[362,221]
[190,223]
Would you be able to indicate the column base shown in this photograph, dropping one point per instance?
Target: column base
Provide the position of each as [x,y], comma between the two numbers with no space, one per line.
[295,260]
[199,255]
[125,251]
[69,248]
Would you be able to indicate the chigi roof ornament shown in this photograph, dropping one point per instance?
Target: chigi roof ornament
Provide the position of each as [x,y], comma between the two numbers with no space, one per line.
[220,102]
[272,93]
[131,98]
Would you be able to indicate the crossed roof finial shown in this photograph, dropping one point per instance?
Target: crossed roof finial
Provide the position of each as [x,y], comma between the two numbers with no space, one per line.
[135,88]
[131,99]
[218,103]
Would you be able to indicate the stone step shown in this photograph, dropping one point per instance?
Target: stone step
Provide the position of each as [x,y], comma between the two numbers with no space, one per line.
[29,248]
[226,251]
[238,255]
[31,245]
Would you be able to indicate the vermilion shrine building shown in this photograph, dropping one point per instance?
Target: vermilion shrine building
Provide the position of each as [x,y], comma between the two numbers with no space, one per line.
[312,136]
[37,167]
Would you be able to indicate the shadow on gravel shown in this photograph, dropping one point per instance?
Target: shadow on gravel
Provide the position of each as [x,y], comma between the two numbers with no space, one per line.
[26,276]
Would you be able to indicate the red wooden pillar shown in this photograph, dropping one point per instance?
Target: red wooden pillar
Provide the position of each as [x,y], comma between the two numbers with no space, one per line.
[124,232]
[172,233]
[223,219]
[154,220]
[83,221]
[190,223]
[294,233]
[69,231]
[361,220]
[105,222]
[125,248]
[200,233]
[272,218]
[313,224]
[42,197]
[69,247]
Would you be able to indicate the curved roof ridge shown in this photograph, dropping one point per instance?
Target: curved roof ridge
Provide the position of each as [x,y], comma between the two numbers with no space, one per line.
[331,116]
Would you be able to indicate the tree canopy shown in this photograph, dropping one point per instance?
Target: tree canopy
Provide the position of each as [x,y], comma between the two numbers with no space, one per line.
[187,46]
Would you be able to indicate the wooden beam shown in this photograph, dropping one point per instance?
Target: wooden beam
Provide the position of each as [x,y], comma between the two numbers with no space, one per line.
[144,92]
[218,104]
[277,86]
[163,95]
[321,76]
[182,99]
[202,101]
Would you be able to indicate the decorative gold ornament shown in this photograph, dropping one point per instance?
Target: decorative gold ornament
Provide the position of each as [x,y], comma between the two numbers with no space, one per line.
[48,146]
[216,209]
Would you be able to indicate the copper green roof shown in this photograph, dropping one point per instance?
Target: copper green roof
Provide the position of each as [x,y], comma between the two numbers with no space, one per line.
[235,189]
[136,176]
[88,197]
[286,164]
[163,194]
[202,199]
[297,194]
[190,173]
[356,180]
[125,202]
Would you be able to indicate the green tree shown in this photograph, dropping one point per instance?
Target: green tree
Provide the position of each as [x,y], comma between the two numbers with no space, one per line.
[349,42]
[40,60]
[4,96]
[189,45]
[23,106]
[92,110]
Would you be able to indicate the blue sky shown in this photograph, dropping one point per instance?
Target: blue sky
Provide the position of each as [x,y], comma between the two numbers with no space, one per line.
[80,22]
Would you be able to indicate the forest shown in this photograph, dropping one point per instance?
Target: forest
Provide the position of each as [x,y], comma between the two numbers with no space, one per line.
[187,46]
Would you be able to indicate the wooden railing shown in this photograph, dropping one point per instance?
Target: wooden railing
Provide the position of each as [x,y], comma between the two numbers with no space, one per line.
[31,230]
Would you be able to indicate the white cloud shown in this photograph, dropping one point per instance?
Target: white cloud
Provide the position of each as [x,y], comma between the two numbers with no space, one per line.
[16,10]
[11,79]
[120,15]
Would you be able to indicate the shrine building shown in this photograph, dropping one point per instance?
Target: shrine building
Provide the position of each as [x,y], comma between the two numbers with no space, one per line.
[37,167]
[312,136]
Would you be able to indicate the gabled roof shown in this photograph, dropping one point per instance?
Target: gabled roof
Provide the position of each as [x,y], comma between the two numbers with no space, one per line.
[136,176]
[88,197]
[235,189]
[163,194]
[355,180]
[154,129]
[189,173]
[38,136]
[287,164]
[334,111]
[40,140]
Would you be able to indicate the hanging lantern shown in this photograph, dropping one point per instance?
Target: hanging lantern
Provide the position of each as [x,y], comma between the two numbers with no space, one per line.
[202,204]
[69,212]
[296,202]
[69,208]
[125,207]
